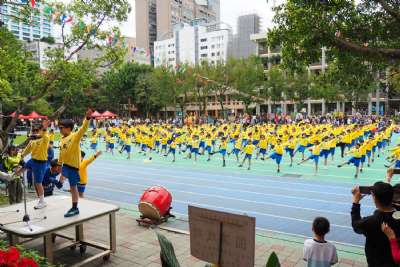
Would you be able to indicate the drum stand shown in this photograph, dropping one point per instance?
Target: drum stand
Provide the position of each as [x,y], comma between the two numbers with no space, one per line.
[148,222]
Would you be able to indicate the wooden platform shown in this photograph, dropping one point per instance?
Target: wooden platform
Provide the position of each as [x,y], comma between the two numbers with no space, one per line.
[47,222]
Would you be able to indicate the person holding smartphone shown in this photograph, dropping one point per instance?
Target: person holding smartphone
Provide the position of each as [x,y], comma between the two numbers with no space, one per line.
[377,247]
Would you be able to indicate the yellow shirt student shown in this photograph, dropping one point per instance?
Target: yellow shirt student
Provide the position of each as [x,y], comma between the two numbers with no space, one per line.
[278,149]
[316,150]
[263,144]
[51,137]
[83,169]
[249,149]
[70,151]
[38,148]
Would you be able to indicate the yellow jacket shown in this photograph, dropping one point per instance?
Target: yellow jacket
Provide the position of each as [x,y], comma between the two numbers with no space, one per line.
[38,148]
[70,151]
[83,169]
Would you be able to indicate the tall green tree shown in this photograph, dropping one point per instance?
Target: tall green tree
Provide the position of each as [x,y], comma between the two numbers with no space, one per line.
[248,78]
[85,31]
[164,88]
[120,86]
[365,33]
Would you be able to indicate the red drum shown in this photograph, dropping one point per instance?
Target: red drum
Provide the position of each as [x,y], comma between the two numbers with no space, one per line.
[155,202]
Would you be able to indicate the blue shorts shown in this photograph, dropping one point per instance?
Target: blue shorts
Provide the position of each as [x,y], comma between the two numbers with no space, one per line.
[157,143]
[195,151]
[164,147]
[301,149]
[127,148]
[236,151]
[369,153]
[380,144]
[93,146]
[72,174]
[397,165]
[208,149]
[332,151]
[255,142]
[355,161]
[172,150]
[189,147]
[248,156]
[374,149]
[315,158]
[363,159]
[277,157]
[222,152]
[263,151]
[144,146]
[81,188]
[290,151]
[202,144]
[38,170]
[325,153]
[111,146]
[169,141]
[309,145]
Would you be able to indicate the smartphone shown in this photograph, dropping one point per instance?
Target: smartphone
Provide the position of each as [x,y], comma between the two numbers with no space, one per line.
[365,190]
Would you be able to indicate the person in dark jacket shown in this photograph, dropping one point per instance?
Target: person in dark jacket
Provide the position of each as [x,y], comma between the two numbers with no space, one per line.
[377,245]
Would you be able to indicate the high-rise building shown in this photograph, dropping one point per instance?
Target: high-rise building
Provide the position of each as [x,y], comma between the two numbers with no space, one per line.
[192,44]
[247,25]
[39,51]
[39,28]
[155,19]
[146,24]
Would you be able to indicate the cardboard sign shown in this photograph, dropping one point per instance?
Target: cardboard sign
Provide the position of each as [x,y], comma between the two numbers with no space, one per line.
[222,238]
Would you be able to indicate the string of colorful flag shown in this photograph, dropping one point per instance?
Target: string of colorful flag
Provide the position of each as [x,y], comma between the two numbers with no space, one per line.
[113,40]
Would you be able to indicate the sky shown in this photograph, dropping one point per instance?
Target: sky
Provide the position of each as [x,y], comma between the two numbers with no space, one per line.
[230,10]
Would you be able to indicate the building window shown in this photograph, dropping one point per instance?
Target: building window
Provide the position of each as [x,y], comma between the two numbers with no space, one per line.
[203,40]
[218,53]
[213,54]
[203,47]
[203,55]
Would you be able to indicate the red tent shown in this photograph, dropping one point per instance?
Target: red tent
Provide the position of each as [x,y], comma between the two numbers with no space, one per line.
[107,114]
[96,114]
[34,116]
[20,116]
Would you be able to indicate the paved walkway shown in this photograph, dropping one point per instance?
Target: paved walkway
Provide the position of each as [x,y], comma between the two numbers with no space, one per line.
[138,246]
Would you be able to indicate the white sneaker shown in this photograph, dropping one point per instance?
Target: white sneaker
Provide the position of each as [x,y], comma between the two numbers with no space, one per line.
[40,205]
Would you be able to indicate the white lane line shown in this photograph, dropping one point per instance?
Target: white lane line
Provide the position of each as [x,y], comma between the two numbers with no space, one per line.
[226,183]
[229,209]
[231,189]
[232,198]
[290,184]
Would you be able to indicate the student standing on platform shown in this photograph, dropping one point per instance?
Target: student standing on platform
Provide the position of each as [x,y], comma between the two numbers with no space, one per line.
[38,149]
[70,157]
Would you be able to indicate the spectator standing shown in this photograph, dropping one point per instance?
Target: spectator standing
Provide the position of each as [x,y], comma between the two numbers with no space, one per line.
[317,251]
[377,246]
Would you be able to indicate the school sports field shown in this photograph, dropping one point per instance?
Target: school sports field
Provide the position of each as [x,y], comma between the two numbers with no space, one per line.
[282,203]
